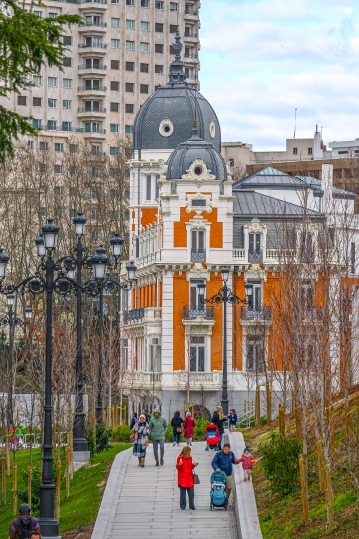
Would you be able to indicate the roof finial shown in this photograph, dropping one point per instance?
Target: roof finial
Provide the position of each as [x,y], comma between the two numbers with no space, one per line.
[177,75]
[195,123]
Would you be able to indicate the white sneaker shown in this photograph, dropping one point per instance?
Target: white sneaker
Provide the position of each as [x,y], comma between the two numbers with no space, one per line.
[174,444]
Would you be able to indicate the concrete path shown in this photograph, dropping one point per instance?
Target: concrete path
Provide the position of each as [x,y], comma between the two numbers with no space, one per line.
[148,503]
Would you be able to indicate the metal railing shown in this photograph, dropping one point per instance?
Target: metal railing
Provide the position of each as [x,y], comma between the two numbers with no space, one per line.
[92,46]
[198,255]
[134,315]
[97,24]
[92,109]
[190,34]
[92,1]
[255,256]
[92,89]
[192,313]
[85,66]
[252,313]
[189,55]
[87,130]
[64,129]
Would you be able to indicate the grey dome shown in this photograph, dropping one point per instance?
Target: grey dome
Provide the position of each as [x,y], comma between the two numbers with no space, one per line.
[180,104]
[187,152]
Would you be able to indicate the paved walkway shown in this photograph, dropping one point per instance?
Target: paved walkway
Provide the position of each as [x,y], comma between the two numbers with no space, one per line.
[148,504]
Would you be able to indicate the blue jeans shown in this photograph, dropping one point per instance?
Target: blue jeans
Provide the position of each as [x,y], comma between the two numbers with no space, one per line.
[157,443]
[220,440]
[176,437]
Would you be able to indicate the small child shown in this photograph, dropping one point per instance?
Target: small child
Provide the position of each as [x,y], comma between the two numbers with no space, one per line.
[233,419]
[248,463]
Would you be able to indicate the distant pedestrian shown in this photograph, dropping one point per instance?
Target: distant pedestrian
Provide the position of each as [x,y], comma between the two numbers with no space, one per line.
[176,424]
[158,428]
[141,431]
[189,425]
[133,420]
[248,463]
[147,415]
[224,461]
[233,419]
[185,466]
[218,419]
[22,526]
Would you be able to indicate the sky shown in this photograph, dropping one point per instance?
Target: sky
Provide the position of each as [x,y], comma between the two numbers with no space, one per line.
[261,59]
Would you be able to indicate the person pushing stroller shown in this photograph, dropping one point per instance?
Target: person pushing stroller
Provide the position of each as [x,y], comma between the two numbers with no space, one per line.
[223,461]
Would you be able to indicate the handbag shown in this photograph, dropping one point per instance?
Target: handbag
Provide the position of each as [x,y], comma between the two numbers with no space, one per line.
[179,429]
[196,479]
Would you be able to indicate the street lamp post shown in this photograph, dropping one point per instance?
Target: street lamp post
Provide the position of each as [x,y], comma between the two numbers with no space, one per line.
[12,321]
[100,263]
[224,295]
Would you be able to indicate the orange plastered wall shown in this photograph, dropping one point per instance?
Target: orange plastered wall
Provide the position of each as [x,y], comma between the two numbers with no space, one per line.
[180,231]
[148,216]
[180,299]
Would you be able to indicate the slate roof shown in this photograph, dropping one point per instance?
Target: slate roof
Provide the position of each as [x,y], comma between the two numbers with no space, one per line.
[337,193]
[250,203]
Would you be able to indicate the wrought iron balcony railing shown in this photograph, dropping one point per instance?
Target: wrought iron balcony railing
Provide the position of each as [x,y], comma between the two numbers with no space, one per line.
[252,313]
[192,313]
[92,45]
[92,88]
[85,66]
[255,256]
[92,109]
[198,255]
[134,315]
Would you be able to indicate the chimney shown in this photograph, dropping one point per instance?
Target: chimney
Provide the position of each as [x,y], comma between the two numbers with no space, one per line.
[327,187]
[318,151]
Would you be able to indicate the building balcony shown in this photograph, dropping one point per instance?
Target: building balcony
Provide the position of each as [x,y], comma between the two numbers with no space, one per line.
[191,16]
[190,37]
[100,70]
[141,316]
[100,112]
[93,28]
[85,91]
[199,380]
[145,260]
[192,313]
[98,134]
[255,257]
[256,313]
[145,379]
[93,50]
[198,255]
[90,5]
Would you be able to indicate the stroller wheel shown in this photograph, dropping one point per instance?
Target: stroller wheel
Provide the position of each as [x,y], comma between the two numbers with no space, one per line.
[211,506]
[207,449]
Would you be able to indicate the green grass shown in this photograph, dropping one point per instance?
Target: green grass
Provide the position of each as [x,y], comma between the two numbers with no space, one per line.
[86,489]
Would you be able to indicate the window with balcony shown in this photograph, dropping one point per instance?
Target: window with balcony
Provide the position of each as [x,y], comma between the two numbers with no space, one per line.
[196,303]
[255,254]
[306,293]
[93,20]
[92,127]
[306,248]
[198,246]
[92,106]
[93,41]
[257,297]
[197,348]
[66,126]
[51,125]
[92,63]
[255,346]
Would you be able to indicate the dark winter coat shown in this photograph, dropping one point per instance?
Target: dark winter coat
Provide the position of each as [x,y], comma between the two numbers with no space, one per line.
[133,422]
[189,424]
[233,419]
[219,422]
[224,462]
[176,423]
[185,472]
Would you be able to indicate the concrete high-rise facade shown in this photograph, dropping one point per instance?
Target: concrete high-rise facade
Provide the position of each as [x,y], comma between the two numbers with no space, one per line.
[115,61]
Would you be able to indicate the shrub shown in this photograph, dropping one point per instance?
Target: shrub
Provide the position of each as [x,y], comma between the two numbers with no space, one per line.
[120,433]
[97,442]
[280,462]
[199,432]
[35,489]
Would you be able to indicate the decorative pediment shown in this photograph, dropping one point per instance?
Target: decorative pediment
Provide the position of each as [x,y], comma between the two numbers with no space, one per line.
[198,172]
[256,227]
[199,203]
[198,271]
[255,273]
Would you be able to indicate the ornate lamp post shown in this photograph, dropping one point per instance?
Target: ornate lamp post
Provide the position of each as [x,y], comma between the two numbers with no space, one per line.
[224,295]
[50,277]
[12,321]
[100,263]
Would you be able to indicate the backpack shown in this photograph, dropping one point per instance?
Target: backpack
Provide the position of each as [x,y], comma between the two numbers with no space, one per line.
[26,527]
[218,494]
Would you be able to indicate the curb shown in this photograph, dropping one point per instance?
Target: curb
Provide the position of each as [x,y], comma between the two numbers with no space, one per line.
[108,507]
[244,499]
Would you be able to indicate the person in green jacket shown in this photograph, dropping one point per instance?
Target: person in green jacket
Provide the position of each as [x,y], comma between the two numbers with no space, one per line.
[158,427]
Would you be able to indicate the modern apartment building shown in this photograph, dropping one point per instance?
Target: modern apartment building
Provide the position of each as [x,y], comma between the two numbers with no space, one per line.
[115,61]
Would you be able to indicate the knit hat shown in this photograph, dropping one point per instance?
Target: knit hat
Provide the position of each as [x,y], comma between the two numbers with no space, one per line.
[188,414]
[246,449]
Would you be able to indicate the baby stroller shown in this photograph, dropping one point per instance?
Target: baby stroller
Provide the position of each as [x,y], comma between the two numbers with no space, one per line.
[218,490]
[212,437]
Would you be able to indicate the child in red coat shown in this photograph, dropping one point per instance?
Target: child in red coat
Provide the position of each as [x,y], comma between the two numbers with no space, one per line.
[185,467]
[248,463]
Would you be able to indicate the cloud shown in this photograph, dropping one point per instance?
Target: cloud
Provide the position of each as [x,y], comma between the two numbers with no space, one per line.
[261,59]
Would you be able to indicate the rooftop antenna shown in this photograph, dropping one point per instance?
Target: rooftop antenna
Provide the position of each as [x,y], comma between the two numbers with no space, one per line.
[295,121]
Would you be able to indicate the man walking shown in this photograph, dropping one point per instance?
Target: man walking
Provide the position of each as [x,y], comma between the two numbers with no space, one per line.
[158,427]
[24,524]
[223,461]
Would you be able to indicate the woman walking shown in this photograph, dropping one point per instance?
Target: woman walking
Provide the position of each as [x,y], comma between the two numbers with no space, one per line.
[176,424]
[141,431]
[189,425]
[185,466]
[218,419]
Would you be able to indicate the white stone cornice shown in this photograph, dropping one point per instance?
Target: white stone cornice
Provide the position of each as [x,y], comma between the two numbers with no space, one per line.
[198,271]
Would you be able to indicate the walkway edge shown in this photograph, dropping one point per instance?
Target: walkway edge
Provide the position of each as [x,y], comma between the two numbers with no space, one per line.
[244,499]
[111,496]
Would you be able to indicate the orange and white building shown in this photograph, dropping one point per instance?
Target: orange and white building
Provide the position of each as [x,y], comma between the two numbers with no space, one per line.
[188,219]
